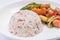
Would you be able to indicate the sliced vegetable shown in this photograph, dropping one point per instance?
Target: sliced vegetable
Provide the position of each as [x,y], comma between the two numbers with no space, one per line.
[33,3]
[50,13]
[35,10]
[51,19]
[26,8]
[50,22]
[34,6]
[41,11]
[43,18]
[50,25]
[30,6]
[56,23]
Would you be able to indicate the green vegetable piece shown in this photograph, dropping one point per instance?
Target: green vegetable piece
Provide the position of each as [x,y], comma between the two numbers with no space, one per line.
[49,6]
[50,22]
[51,19]
[26,8]
[33,3]
[34,6]
[51,26]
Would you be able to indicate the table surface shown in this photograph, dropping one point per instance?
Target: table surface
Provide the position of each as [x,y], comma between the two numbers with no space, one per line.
[6,2]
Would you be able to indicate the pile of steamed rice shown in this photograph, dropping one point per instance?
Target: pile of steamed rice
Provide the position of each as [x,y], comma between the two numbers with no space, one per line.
[25,23]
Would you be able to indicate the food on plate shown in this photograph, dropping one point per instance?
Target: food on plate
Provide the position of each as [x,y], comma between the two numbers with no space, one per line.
[50,21]
[58,11]
[41,11]
[43,18]
[46,13]
[45,6]
[25,23]
[56,22]
[30,6]
[51,13]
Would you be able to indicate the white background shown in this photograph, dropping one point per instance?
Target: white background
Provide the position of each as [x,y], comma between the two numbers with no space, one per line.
[6,2]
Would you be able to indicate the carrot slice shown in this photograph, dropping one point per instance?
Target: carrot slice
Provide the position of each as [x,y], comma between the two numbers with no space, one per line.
[41,11]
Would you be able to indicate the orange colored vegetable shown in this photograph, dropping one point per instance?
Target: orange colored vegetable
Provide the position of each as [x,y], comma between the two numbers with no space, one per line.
[35,10]
[56,23]
[41,11]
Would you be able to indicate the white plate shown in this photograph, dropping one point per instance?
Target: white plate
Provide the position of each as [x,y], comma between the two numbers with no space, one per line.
[7,11]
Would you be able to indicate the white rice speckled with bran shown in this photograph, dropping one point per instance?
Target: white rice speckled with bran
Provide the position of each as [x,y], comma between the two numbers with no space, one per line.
[25,23]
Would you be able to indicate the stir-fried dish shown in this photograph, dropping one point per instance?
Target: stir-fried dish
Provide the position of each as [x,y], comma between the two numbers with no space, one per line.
[47,14]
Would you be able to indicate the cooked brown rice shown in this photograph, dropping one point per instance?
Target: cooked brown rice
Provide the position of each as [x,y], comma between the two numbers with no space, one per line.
[25,23]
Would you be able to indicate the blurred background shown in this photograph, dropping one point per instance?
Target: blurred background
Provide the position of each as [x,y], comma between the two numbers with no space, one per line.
[6,2]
